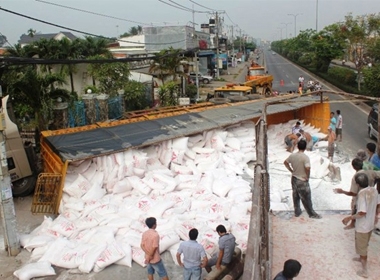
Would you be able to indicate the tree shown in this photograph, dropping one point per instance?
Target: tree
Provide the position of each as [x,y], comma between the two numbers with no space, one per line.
[3,40]
[169,94]
[31,32]
[111,76]
[28,86]
[327,46]
[135,96]
[166,63]
[359,32]
[134,30]
[372,80]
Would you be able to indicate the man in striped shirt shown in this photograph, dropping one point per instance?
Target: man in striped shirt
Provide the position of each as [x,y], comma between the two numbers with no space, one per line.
[194,257]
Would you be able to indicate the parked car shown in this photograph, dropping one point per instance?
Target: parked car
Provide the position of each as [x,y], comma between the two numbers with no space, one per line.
[373,122]
[206,79]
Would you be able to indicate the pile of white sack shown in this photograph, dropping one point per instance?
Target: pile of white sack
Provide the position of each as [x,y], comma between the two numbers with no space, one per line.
[322,177]
[187,182]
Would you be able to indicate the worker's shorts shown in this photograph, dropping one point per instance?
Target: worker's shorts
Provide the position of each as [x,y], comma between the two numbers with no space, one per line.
[288,141]
[338,131]
[159,267]
[330,150]
[361,242]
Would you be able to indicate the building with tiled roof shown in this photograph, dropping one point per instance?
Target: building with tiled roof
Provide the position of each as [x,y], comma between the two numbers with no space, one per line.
[27,39]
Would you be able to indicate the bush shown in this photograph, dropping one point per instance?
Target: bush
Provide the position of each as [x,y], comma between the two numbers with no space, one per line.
[343,75]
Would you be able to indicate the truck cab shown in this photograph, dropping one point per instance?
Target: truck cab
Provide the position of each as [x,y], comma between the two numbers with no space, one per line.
[230,93]
[21,158]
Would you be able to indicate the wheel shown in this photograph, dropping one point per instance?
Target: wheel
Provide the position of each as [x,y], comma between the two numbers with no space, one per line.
[370,133]
[219,100]
[206,81]
[238,98]
[24,186]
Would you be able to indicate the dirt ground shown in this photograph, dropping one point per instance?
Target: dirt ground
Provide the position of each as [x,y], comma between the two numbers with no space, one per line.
[324,249]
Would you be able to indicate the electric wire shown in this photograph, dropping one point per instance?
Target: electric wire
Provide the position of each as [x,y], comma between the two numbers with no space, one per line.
[6,40]
[92,13]
[230,19]
[190,9]
[83,32]
[186,10]
[202,5]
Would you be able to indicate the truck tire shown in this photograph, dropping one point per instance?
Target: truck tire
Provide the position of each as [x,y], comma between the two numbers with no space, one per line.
[254,96]
[24,186]
[206,81]
[238,98]
[219,100]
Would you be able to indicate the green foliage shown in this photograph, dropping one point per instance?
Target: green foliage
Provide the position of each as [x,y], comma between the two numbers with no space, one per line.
[111,76]
[135,96]
[93,89]
[343,75]
[134,30]
[306,59]
[372,80]
[191,91]
[27,86]
[166,63]
[168,94]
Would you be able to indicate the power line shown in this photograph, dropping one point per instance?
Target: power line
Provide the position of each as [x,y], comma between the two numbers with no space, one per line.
[230,19]
[92,13]
[83,32]
[6,40]
[186,10]
[201,5]
[190,10]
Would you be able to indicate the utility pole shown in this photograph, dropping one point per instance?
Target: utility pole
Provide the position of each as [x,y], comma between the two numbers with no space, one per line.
[217,43]
[295,23]
[240,40]
[316,17]
[8,215]
[232,39]
[196,59]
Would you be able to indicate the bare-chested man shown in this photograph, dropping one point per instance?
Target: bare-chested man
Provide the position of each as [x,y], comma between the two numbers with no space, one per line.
[331,140]
[291,141]
[308,139]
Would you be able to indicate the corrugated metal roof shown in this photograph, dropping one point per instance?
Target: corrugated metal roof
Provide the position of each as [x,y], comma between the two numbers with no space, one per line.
[106,140]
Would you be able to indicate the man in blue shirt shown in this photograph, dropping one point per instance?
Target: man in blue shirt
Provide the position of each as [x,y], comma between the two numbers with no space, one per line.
[226,249]
[194,257]
[332,121]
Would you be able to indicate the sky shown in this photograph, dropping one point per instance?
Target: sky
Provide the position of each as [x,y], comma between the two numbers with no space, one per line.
[265,19]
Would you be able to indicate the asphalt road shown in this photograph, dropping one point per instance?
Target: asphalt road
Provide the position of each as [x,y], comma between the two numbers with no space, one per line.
[355,134]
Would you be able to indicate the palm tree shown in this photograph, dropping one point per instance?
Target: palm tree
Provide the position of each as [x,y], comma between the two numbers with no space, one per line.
[166,63]
[31,32]
[36,90]
[95,48]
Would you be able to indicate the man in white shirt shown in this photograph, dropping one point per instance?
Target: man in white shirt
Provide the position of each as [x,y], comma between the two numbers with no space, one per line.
[368,209]
[339,126]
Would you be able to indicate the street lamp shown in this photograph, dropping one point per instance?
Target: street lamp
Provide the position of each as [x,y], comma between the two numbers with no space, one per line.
[295,23]
[280,31]
[316,17]
[286,28]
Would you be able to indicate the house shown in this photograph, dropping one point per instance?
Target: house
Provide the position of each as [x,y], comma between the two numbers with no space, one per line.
[27,39]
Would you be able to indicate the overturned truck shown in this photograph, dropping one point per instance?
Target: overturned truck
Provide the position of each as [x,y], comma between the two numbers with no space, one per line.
[189,166]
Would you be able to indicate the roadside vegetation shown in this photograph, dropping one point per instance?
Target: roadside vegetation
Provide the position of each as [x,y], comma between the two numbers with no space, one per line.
[355,40]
